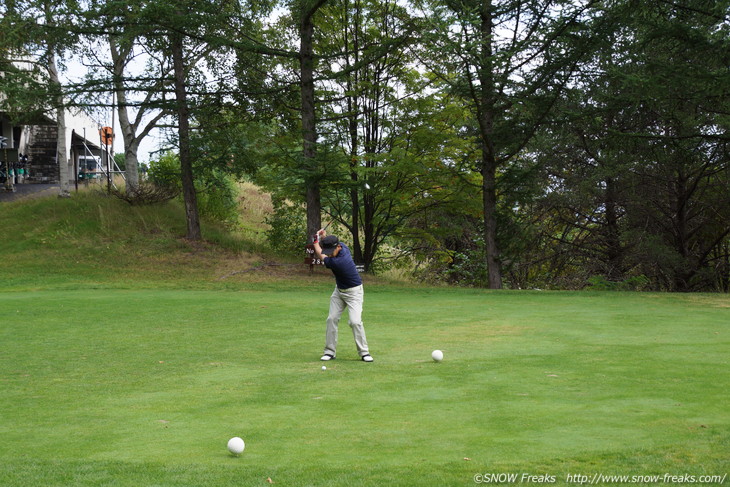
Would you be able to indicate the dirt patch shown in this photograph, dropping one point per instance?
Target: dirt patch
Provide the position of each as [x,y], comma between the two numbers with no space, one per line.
[250,266]
[720,301]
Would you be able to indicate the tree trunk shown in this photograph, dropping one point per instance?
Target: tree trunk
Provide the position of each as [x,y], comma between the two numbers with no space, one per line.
[61,147]
[131,144]
[353,111]
[489,200]
[133,132]
[724,274]
[186,166]
[309,129]
[489,162]
[131,165]
[357,253]
[119,59]
[614,250]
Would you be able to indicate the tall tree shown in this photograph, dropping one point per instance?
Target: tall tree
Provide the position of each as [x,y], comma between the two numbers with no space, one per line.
[135,125]
[637,161]
[123,60]
[307,9]
[190,34]
[683,54]
[183,120]
[510,61]
[364,115]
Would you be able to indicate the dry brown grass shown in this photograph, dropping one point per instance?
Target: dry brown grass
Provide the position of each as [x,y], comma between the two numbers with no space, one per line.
[255,205]
[715,300]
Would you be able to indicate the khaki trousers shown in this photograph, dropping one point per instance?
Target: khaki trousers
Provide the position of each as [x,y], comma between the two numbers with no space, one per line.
[351,299]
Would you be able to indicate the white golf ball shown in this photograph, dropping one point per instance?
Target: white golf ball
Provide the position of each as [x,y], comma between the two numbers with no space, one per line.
[367,186]
[236,445]
[437,355]
[324,367]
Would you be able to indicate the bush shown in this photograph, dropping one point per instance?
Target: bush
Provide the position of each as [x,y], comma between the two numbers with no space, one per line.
[288,231]
[468,268]
[165,171]
[146,193]
[217,197]
[215,190]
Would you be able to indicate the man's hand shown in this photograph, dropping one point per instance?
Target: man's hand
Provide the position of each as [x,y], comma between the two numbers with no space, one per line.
[319,235]
[318,250]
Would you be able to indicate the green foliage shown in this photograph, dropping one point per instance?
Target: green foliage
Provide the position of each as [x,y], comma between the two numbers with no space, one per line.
[165,170]
[216,190]
[631,163]
[28,34]
[603,124]
[287,231]
[217,196]
[228,141]
[469,267]
[120,160]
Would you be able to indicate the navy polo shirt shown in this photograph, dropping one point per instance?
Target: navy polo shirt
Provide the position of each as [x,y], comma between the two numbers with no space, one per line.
[343,267]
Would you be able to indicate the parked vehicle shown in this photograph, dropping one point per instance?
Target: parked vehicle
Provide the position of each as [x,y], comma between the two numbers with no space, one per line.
[89,167]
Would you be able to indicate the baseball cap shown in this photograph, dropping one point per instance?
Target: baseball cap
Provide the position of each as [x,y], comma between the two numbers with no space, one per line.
[329,244]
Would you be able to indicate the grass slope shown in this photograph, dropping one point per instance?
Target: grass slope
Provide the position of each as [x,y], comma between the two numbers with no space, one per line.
[92,239]
[124,373]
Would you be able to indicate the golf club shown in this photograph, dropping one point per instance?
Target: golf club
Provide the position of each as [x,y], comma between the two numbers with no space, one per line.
[316,235]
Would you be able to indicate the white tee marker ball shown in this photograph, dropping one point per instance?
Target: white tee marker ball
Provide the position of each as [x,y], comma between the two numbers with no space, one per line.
[236,445]
[437,355]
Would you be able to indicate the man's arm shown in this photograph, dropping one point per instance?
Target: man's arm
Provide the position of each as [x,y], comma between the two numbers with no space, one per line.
[317,248]
[318,251]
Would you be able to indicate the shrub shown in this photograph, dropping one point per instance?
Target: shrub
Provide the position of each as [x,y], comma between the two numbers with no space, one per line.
[217,197]
[288,231]
[165,171]
[215,190]
[146,193]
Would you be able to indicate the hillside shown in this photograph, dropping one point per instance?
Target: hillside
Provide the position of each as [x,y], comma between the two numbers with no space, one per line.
[95,239]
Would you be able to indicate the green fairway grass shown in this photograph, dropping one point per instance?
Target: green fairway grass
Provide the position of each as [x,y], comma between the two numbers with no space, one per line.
[129,357]
[145,387]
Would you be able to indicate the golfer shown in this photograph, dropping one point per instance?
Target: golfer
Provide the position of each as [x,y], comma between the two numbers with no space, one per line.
[348,294]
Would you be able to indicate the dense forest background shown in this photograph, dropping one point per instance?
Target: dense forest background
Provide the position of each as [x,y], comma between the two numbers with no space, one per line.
[514,143]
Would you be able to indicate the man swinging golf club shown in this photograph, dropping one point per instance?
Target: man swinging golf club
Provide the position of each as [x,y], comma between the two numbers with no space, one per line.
[348,294]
